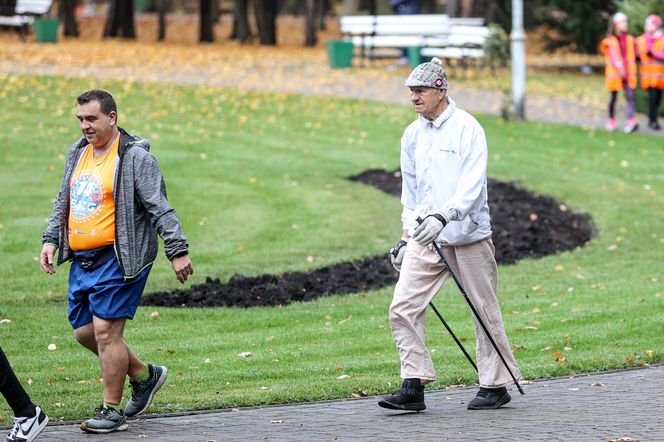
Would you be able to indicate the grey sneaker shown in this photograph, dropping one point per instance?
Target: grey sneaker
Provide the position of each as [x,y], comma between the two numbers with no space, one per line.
[105,420]
[143,392]
[26,429]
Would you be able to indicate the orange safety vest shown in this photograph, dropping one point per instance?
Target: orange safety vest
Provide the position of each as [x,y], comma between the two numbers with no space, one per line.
[652,69]
[611,50]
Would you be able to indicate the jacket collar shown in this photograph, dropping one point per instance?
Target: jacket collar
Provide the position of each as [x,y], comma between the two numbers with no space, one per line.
[447,113]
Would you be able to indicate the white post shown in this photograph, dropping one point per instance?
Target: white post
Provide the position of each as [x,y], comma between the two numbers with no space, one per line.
[518,46]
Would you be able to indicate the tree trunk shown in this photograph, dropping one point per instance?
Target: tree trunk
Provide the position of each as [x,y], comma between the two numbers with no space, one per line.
[163,6]
[68,18]
[310,34]
[207,21]
[325,9]
[241,20]
[452,8]
[120,19]
[480,8]
[266,17]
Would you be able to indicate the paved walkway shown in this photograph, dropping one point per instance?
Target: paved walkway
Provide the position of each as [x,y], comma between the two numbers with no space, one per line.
[598,407]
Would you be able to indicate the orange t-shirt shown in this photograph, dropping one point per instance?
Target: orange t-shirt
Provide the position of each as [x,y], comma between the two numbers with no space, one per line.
[91,205]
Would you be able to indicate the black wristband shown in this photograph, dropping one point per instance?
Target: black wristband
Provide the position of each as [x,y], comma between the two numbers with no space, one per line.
[394,251]
[440,218]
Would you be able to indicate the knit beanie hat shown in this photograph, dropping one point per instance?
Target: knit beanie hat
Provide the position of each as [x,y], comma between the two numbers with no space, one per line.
[655,20]
[429,74]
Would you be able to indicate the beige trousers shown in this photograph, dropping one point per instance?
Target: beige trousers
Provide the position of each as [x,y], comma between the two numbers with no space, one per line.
[422,275]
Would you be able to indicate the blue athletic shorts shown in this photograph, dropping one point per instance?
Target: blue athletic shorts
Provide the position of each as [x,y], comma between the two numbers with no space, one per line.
[103,292]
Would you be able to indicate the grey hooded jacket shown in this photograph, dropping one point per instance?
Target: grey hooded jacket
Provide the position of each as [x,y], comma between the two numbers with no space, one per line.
[141,208]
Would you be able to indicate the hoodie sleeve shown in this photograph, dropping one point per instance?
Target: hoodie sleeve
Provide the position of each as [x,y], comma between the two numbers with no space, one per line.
[151,192]
[472,175]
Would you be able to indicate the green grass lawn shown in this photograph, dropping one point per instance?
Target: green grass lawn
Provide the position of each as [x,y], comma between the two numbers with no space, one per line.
[258,181]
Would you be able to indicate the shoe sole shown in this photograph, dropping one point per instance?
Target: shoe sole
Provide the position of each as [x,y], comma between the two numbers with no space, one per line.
[416,406]
[160,382]
[121,427]
[502,401]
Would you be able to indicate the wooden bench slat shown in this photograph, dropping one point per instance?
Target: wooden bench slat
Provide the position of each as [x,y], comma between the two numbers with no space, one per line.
[436,34]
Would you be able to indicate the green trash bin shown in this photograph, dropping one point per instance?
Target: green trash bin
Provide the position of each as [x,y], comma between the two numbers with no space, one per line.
[414,56]
[340,53]
[46,29]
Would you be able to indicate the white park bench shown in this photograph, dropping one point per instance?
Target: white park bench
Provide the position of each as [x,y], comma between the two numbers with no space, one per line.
[436,35]
[21,13]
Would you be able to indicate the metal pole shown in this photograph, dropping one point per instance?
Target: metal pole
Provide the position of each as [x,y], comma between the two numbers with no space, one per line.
[449,330]
[518,47]
[474,310]
[477,316]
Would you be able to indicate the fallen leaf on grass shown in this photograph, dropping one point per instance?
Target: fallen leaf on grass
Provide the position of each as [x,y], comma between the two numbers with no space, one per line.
[345,320]
[536,310]
[649,354]
[624,439]
[154,314]
[359,393]
[244,354]
[52,347]
[343,376]
[5,321]
[573,389]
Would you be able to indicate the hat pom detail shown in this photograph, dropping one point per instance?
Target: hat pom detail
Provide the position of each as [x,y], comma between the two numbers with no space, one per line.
[436,60]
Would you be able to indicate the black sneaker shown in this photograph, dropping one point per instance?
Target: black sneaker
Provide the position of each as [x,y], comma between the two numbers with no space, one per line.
[409,397]
[489,399]
[105,420]
[26,429]
[654,125]
[143,392]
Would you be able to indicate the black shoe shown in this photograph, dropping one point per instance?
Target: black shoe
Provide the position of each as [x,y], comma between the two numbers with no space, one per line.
[489,399]
[409,397]
[654,125]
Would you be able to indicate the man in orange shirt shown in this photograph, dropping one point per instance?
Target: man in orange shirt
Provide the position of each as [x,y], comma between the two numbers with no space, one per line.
[111,206]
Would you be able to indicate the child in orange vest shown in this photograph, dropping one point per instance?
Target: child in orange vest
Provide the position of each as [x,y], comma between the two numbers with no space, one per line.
[619,55]
[650,50]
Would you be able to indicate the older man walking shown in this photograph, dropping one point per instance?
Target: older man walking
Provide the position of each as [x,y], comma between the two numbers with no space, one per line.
[443,167]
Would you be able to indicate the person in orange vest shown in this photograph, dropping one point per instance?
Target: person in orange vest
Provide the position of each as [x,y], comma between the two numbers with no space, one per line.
[650,51]
[620,72]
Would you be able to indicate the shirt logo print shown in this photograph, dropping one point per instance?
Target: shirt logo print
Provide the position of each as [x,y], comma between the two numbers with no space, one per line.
[87,195]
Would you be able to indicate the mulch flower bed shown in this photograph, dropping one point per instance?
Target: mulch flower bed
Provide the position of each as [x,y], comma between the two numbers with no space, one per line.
[525,225]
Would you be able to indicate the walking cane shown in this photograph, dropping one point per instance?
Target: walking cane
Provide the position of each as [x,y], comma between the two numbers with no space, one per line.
[449,330]
[472,308]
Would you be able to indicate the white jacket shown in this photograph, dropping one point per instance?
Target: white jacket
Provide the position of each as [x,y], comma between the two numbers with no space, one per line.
[443,169]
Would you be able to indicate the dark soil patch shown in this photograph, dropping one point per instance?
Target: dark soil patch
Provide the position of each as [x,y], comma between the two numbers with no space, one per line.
[524,225]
